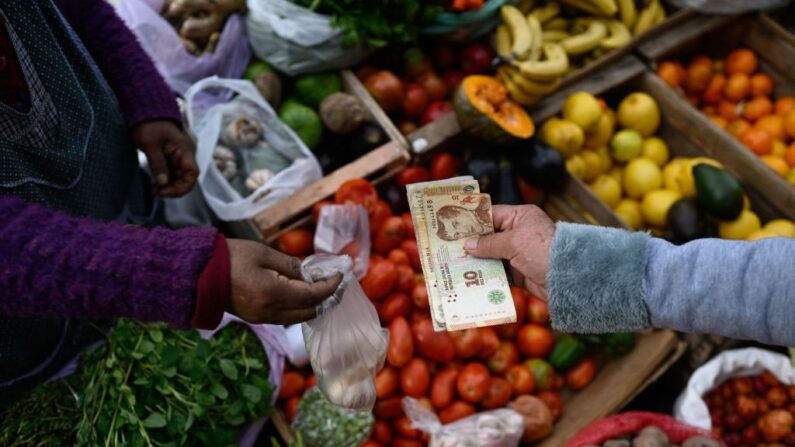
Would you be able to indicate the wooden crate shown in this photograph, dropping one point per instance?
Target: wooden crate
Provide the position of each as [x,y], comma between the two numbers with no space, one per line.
[378,164]
[716,36]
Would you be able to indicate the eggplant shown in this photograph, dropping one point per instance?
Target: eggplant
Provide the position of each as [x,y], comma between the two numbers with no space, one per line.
[687,221]
[484,168]
[364,139]
[539,164]
[507,191]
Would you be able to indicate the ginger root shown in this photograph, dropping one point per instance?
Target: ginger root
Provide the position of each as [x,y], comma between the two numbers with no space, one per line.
[199,22]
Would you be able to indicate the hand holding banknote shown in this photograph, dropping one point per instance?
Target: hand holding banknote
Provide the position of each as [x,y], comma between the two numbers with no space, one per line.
[523,236]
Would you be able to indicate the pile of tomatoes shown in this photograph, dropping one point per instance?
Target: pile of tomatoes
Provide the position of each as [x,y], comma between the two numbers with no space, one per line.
[753,410]
[455,374]
[740,99]
[418,89]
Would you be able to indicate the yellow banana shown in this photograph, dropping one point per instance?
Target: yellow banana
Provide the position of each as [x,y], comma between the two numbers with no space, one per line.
[532,88]
[521,38]
[628,12]
[646,18]
[516,93]
[608,7]
[554,66]
[535,31]
[587,41]
[618,35]
[554,35]
[661,15]
[546,13]
[584,5]
[502,41]
[525,6]
[556,24]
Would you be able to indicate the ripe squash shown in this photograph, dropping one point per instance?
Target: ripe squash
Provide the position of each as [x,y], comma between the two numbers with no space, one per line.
[485,111]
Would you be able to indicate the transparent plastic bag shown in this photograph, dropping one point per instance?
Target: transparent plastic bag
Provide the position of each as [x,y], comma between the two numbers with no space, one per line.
[345,342]
[208,125]
[495,428]
[345,230]
[728,6]
[296,40]
[321,424]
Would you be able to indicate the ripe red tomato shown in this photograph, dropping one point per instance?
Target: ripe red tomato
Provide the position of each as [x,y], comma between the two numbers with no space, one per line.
[521,379]
[431,345]
[409,223]
[386,382]
[382,431]
[377,214]
[415,101]
[499,394]
[403,442]
[468,343]
[538,311]
[412,174]
[388,408]
[453,78]
[365,72]
[443,387]
[316,210]
[420,296]
[404,429]
[553,401]
[506,355]
[387,89]
[510,330]
[310,382]
[380,279]
[298,242]
[535,340]
[292,385]
[473,382]
[391,234]
[433,85]
[436,110]
[395,305]
[401,343]
[418,315]
[399,257]
[455,411]
[476,58]
[530,194]
[410,247]
[582,374]
[357,191]
[442,55]
[291,408]
[415,378]
[444,165]
[489,342]
[406,279]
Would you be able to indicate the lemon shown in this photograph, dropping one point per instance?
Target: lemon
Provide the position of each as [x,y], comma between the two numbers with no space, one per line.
[779,148]
[656,150]
[576,166]
[656,204]
[617,173]
[671,171]
[608,189]
[600,135]
[629,211]
[593,165]
[583,110]
[685,180]
[781,227]
[639,111]
[740,228]
[626,145]
[746,202]
[791,176]
[641,176]
[563,135]
[761,234]
[607,160]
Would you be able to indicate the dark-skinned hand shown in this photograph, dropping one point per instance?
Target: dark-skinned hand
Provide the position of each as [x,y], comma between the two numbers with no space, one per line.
[171,155]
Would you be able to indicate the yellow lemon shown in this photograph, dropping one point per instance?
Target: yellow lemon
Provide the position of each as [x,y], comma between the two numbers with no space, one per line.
[639,111]
[629,211]
[791,176]
[626,145]
[761,234]
[576,166]
[781,227]
[608,189]
[656,150]
[641,176]
[779,148]
[583,110]
[685,180]
[600,135]
[607,160]
[746,202]
[563,135]
[593,165]
[617,173]
[656,204]
[740,228]
[671,171]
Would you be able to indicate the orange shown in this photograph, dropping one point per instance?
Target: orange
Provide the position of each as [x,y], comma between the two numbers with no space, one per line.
[693,100]
[670,73]
[789,123]
[728,110]
[709,110]
[741,60]
[790,155]
[757,108]
[701,60]
[776,163]
[773,125]
[737,87]
[761,85]
[718,66]
[738,127]
[720,121]
[785,104]
[714,91]
[697,78]
[757,140]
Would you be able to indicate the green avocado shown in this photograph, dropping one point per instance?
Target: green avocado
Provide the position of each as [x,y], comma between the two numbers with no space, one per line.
[312,89]
[688,222]
[719,193]
[255,69]
[304,121]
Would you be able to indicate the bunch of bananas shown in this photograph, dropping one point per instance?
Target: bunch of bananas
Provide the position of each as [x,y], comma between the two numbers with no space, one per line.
[541,43]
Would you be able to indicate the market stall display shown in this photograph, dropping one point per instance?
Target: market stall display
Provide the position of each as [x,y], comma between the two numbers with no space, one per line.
[638,428]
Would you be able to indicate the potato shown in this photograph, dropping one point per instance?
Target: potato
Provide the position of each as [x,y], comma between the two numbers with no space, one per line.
[617,443]
[701,441]
[654,433]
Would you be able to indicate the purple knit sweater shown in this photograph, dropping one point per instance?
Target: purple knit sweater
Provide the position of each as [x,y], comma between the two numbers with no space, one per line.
[55,264]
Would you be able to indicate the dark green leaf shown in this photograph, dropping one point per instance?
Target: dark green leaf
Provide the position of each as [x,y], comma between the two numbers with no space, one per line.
[251,393]
[155,420]
[156,335]
[219,390]
[229,369]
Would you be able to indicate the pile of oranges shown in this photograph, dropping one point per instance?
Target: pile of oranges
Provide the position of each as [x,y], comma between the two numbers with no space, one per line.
[740,100]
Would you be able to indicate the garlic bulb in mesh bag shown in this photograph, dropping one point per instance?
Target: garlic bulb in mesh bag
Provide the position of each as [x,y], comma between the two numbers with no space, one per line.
[258,178]
[242,132]
[226,161]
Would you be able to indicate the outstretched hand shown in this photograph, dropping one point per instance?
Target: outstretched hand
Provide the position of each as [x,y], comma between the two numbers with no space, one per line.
[523,236]
[267,286]
[170,153]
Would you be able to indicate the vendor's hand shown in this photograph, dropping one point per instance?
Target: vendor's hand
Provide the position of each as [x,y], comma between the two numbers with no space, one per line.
[267,286]
[171,156]
[524,237]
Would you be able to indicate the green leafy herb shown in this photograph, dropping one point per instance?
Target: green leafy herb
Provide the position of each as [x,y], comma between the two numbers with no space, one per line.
[322,424]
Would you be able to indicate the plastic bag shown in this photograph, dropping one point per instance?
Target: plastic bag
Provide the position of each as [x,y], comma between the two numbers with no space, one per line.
[691,408]
[207,124]
[632,423]
[728,6]
[345,342]
[345,229]
[321,424]
[495,428]
[296,40]
[465,26]
[180,68]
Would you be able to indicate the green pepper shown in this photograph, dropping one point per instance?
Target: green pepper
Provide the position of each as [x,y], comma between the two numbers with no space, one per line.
[568,351]
[617,344]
